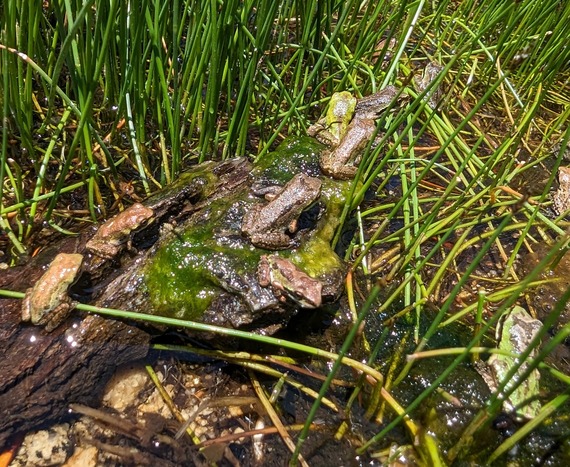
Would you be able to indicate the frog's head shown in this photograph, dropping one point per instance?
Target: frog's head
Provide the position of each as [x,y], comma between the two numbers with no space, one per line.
[371,107]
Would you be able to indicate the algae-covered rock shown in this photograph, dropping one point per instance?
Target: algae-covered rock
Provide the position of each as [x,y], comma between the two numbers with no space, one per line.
[203,267]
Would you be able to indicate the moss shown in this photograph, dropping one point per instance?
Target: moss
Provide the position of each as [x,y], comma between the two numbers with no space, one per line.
[293,155]
[315,256]
[187,272]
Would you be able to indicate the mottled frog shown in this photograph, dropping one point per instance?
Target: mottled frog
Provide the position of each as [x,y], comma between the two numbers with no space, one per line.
[114,234]
[339,163]
[266,225]
[288,281]
[423,82]
[330,129]
[47,303]
[561,197]
[514,335]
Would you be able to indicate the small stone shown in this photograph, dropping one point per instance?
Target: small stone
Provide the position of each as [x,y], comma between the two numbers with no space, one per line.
[125,386]
[83,457]
[47,447]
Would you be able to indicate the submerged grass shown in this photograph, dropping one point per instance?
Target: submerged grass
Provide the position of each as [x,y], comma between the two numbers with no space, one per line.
[105,102]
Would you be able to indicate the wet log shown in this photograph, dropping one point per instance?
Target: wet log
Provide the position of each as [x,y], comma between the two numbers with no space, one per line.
[42,373]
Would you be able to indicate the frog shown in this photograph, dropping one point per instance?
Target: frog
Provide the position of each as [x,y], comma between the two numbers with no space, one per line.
[423,82]
[267,225]
[289,282]
[561,197]
[112,237]
[329,129]
[47,303]
[517,331]
[338,163]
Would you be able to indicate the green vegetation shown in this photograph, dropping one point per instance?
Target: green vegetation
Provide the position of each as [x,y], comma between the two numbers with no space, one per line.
[105,102]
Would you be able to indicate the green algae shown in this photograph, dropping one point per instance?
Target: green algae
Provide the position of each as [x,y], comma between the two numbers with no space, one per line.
[293,155]
[315,256]
[186,273]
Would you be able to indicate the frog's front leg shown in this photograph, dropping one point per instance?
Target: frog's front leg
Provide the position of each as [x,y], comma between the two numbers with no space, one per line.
[320,132]
[272,240]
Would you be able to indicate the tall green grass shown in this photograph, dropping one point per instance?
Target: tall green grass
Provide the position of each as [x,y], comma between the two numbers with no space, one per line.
[140,90]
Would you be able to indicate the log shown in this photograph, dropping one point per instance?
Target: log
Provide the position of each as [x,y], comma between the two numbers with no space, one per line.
[42,373]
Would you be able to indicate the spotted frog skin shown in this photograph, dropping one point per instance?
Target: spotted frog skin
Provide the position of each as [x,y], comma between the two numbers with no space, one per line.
[429,75]
[289,282]
[266,225]
[47,303]
[114,234]
[561,197]
[330,129]
[339,162]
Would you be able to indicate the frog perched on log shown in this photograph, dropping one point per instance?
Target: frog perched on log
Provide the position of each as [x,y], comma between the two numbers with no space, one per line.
[266,225]
[47,303]
[339,162]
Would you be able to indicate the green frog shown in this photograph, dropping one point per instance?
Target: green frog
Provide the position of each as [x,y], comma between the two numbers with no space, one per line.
[339,162]
[330,129]
[47,303]
[517,331]
[429,75]
[114,234]
[266,225]
[288,281]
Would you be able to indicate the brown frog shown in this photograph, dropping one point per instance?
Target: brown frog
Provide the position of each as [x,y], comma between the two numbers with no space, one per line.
[561,197]
[339,163]
[429,75]
[266,225]
[288,281]
[47,302]
[114,234]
